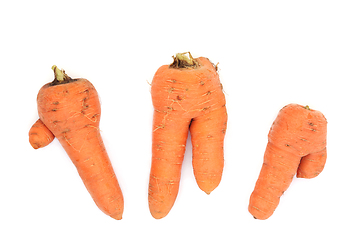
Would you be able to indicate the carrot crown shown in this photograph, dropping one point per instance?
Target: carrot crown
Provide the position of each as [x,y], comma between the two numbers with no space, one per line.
[60,76]
[184,60]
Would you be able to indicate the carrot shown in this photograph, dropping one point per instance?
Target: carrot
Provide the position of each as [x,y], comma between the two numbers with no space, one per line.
[296,144]
[187,95]
[70,110]
[39,135]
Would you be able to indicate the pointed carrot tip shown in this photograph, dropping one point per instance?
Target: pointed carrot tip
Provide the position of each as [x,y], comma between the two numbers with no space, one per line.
[117,216]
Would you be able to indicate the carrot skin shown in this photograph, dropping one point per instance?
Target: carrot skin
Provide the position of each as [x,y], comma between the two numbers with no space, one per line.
[71,112]
[39,135]
[297,135]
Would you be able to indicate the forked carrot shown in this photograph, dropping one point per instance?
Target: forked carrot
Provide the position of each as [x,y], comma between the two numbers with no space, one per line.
[69,109]
[187,95]
[296,144]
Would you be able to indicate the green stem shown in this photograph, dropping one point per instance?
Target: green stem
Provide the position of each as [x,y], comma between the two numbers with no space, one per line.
[59,74]
[187,59]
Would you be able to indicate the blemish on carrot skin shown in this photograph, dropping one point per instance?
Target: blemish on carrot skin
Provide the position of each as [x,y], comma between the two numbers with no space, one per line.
[159,147]
[159,127]
[85,91]
[258,209]
[171,89]
[55,103]
[65,131]
[202,83]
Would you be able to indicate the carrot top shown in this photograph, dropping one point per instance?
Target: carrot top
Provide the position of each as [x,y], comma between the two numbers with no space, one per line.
[184,60]
[307,107]
[60,76]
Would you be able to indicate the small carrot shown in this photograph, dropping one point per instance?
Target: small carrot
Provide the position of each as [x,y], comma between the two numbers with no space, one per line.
[39,135]
[69,109]
[187,95]
[296,144]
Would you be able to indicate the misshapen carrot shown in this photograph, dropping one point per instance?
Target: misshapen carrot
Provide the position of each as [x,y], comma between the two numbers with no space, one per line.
[296,145]
[187,95]
[70,110]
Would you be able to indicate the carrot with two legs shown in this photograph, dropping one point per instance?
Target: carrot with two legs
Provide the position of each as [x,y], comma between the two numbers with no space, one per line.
[187,95]
[296,145]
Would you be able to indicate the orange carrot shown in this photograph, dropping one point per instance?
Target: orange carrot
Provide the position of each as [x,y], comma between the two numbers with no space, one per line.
[296,144]
[187,95]
[39,135]
[70,110]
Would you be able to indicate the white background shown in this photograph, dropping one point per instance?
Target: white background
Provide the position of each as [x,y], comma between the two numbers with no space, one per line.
[270,53]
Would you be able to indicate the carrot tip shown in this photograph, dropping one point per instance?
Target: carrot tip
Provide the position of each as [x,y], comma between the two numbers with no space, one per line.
[117,216]
[157,217]
[35,145]
[301,175]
